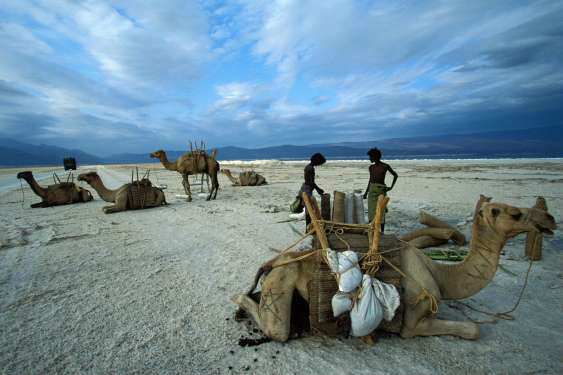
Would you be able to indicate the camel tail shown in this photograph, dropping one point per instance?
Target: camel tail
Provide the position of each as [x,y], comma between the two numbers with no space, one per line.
[264,270]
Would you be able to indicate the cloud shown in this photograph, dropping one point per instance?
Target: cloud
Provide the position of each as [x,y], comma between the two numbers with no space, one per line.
[146,75]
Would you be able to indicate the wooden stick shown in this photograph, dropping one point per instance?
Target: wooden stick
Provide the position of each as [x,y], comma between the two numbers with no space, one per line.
[316,223]
[297,242]
[379,211]
[534,240]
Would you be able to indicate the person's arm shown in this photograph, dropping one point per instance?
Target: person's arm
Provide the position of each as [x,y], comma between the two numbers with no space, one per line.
[369,181]
[395,176]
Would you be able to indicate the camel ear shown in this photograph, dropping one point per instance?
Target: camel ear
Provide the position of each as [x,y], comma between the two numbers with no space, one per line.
[495,212]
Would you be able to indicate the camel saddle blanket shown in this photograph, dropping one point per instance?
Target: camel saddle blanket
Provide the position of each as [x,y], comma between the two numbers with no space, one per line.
[323,287]
[140,194]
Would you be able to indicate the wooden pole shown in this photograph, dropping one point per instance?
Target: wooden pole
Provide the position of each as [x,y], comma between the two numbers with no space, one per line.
[379,211]
[325,206]
[534,240]
[317,225]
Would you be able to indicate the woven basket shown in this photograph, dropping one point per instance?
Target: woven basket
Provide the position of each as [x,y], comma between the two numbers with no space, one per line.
[323,287]
[139,195]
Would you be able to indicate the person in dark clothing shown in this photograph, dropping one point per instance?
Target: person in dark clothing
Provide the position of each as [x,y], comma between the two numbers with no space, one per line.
[309,185]
[376,185]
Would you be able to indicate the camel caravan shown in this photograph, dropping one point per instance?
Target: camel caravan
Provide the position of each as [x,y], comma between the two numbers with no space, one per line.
[354,280]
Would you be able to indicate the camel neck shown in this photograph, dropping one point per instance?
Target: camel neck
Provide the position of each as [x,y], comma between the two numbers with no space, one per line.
[477,270]
[168,165]
[104,193]
[35,187]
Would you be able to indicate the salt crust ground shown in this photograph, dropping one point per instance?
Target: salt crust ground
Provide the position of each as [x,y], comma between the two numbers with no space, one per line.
[149,291]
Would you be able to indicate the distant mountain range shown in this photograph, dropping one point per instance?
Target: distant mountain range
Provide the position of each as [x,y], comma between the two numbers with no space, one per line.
[536,142]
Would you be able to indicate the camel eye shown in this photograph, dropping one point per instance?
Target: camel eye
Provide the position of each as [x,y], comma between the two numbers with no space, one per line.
[495,212]
[517,216]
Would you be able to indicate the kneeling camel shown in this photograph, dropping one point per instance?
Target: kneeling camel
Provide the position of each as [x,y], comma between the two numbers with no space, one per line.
[123,197]
[493,225]
[57,194]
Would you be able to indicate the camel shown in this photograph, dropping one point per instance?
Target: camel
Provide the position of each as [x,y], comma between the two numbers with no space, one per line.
[493,225]
[57,194]
[250,178]
[134,195]
[192,163]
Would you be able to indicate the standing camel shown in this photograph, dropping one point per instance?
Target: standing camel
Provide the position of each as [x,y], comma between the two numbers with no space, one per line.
[192,163]
[493,225]
[57,194]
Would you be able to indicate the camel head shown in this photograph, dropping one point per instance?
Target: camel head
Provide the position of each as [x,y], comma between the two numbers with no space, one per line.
[158,154]
[25,175]
[510,221]
[88,177]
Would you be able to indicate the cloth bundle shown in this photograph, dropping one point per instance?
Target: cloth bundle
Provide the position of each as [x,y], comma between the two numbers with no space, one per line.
[376,300]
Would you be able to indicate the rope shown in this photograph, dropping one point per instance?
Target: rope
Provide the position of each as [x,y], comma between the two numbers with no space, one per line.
[501,315]
[296,259]
[424,294]
[298,241]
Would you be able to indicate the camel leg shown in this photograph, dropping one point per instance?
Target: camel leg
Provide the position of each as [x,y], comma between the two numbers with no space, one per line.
[187,189]
[214,186]
[120,205]
[434,327]
[418,321]
[273,314]
[161,200]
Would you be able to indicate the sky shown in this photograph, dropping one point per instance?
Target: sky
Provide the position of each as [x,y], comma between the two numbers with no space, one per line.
[113,77]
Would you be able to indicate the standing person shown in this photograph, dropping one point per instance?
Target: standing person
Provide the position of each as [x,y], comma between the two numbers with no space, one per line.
[376,185]
[309,185]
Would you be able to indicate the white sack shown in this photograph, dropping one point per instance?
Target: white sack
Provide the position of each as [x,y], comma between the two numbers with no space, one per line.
[359,208]
[388,296]
[367,313]
[300,216]
[349,208]
[341,303]
[346,265]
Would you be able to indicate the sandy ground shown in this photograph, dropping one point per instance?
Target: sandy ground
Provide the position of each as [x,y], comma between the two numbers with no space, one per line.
[149,291]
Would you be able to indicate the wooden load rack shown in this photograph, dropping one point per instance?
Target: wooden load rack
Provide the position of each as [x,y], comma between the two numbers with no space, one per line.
[380,258]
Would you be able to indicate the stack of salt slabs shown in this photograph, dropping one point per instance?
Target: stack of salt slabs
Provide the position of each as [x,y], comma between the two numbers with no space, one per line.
[349,208]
